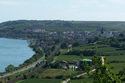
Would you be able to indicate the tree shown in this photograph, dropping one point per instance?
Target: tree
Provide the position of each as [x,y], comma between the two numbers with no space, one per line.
[64,45]
[76,44]
[25,76]
[85,67]
[121,35]
[10,68]
[122,74]
[103,74]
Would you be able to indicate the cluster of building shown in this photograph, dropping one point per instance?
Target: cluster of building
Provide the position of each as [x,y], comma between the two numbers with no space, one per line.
[47,40]
[74,65]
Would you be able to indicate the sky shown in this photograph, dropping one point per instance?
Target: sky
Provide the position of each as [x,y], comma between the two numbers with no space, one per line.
[81,10]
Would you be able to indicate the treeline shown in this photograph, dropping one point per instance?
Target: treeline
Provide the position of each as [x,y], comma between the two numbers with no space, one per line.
[60,25]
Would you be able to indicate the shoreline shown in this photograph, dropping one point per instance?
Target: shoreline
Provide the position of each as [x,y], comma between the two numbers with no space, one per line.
[28,45]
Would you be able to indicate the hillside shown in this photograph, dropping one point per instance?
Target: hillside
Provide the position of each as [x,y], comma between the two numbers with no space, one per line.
[57,25]
[26,29]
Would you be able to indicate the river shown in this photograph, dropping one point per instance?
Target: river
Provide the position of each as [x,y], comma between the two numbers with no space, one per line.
[13,51]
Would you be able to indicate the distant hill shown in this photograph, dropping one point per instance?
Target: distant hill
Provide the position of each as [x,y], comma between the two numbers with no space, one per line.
[58,25]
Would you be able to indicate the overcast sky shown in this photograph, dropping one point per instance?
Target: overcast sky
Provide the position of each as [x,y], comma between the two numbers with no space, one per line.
[86,10]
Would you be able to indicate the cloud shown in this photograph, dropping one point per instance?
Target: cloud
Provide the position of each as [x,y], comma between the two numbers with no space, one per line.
[102,1]
[12,3]
[90,4]
[88,1]
[117,1]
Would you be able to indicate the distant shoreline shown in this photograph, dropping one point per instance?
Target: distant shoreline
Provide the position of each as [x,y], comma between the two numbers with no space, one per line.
[15,53]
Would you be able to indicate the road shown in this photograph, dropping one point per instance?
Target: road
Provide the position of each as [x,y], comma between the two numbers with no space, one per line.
[85,73]
[24,68]
[77,76]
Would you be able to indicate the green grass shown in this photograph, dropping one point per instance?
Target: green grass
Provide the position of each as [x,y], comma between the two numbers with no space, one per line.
[102,49]
[114,54]
[40,81]
[63,51]
[115,58]
[111,54]
[84,80]
[52,73]
[68,58]
[20,81]
[116,66]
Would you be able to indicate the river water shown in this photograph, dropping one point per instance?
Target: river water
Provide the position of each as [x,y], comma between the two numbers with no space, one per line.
[13,51]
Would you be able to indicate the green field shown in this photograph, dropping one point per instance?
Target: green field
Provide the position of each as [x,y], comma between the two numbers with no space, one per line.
[40,81]
[84,80]
[115,56]
[53,73]
[117,67]
[63,51]
[67,58]
[105,50]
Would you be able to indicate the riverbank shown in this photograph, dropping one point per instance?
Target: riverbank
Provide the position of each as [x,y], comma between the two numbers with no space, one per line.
[14,51]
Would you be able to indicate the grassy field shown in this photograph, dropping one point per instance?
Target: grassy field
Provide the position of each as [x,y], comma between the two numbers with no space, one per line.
[68,58]
[102,49]
[116,55]
[40,81]
[116,66]
[115,58]
[52,73]
[63,51]
[86,80]
[112,54]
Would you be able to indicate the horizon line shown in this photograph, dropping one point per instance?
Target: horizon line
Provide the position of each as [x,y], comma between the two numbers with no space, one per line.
[63,20]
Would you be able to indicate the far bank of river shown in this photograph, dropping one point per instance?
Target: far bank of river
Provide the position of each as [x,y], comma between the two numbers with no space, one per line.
[13,51]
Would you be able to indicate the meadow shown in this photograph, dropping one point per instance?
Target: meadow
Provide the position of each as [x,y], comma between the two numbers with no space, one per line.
[68,58]
[84,80]
[56,73]
[115,56]
[40,81]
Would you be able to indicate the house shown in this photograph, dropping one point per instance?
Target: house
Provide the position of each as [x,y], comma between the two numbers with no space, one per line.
[68,65]
[63,64]
[39,30]
[75,65]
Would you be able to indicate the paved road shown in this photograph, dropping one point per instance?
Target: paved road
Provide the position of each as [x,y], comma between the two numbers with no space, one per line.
[77,76]
[85,73]
[24,68]
[66,81]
